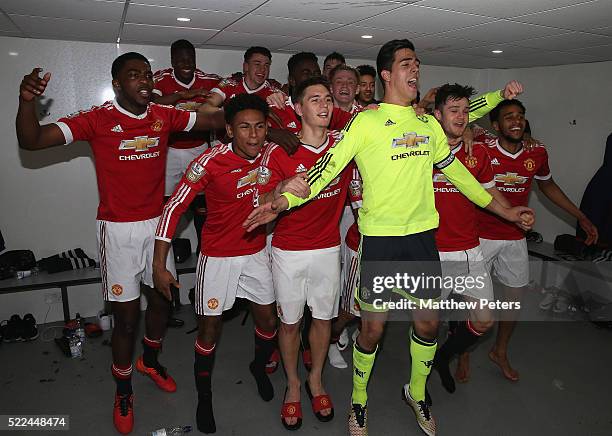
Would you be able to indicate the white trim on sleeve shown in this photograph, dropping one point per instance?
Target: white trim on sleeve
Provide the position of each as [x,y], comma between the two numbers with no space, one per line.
[191,122]
[546,177]
[157,92]
[488,185]
[68,138]
[218,91]
[163,239]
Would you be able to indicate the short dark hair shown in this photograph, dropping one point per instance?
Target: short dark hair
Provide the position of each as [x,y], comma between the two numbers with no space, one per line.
[257,50]
[301,88]
[334,56]
[367,70]
[343,67]
[244,102]
[181,44]
[494,114]
[298,58]
[452,92]
[386,55]
[121,60]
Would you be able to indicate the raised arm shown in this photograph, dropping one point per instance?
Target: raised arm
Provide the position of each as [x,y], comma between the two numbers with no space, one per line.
[483,104]
[30,134]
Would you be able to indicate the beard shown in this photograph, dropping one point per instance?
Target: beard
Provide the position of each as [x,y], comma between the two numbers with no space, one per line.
[513,140]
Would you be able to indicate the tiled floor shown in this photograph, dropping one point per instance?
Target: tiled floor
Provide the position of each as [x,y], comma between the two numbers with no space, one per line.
[565,386]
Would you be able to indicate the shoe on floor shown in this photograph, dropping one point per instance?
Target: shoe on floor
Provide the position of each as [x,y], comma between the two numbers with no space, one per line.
[355,334]
[29,329]
[422,412]
[159,375]
[358,420]
[123,413]
[549,300]
[335,357]
[13,330]
[343,340]
[562,302]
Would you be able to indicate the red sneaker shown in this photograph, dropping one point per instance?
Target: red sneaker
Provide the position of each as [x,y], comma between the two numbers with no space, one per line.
[123,413]
[159,375]
[273,363]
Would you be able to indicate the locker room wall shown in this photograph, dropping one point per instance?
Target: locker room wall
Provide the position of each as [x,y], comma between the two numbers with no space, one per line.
[49,198]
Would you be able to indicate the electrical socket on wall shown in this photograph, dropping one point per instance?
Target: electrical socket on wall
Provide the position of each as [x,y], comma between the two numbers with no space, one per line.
[52,298]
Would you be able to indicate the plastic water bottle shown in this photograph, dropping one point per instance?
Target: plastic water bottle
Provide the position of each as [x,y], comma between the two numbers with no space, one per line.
[76,346]
[171,431]
[80,328]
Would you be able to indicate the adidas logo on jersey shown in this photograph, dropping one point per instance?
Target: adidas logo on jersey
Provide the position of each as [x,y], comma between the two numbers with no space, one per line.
[300,169]
[389,123]
[117,129]
[494,161]
[292,125]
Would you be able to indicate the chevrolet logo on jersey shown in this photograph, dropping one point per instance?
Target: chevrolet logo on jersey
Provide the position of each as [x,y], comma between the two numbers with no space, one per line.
[410,140]
[249,179]
[139,143]
[510,179]
[190,106]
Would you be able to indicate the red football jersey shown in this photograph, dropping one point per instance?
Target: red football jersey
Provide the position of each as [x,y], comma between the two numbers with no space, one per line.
[129,154]
[458,230]
[228,88]
[166,83]
[228,181]
[514,174]
[355,190]
[315,224]
[291,121]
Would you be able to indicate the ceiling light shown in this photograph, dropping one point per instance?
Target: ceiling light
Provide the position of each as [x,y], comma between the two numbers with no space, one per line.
[151,60]
[13,53]
[184,19]
[497,51]
[367,36]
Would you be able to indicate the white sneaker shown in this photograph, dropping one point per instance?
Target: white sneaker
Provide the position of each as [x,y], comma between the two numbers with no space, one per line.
[548,300]
[343,340]
[335,357]
[355,334]
[561,303]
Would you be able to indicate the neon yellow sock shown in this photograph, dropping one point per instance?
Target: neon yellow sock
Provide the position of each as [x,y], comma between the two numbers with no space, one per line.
[422,352]
[362,368]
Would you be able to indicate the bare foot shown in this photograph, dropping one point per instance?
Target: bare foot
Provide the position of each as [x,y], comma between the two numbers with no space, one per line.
[462,373]
[316,389]
[292,396]
[502,361]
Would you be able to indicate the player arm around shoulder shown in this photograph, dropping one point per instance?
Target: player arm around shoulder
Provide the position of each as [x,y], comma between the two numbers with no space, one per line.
[30,134]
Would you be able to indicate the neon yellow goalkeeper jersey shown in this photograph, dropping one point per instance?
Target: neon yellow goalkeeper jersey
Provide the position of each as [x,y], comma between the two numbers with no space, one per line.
[395,150]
